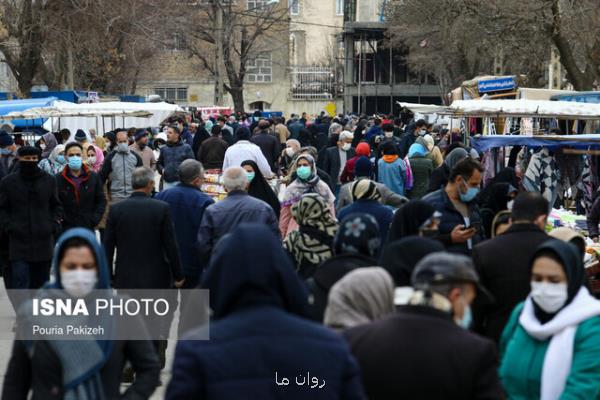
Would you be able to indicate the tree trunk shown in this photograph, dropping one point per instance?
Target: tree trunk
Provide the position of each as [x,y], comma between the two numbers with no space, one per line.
[237,94]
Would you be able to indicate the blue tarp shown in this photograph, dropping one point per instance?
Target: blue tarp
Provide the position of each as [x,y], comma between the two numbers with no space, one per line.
[483,143]
[8,106]
[581,97]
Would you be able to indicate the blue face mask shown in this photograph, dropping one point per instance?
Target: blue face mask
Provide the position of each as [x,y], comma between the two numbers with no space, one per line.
[467,318]
[75,163]
[469,195]
[304,172]
[250,176]
[61,159]
[5,152]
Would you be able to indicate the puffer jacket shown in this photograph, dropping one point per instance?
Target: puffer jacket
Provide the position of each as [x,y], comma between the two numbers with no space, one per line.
[171,156]
[119,167]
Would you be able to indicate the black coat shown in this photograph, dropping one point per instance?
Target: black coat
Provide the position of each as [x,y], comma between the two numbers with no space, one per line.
[83,208]
[593,219]
[30,212]
[142,230]
[503,265]
[212,153]
[270,147]
[331,162]
[439,178]
[421,353]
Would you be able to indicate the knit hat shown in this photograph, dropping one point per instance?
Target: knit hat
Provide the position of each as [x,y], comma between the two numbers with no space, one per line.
[140,133]
[363,149]
[363,167]
[6,139]
[29,151]
[80,136]
[365,189]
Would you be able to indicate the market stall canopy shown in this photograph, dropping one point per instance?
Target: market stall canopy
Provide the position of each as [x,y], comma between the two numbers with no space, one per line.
[159,112]
[423,108]
[584,142]
[8,106]
[53,112]
[523,108]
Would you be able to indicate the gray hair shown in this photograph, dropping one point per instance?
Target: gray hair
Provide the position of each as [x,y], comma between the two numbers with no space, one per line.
[190,170]
[141,178]
[334,128]
[293,142]
[235,178]
[346,135]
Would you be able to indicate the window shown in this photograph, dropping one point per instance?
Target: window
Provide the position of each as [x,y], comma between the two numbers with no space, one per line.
[260,69]
[294,7]
[172,94]
[339,7]
[257,4]
[173,41]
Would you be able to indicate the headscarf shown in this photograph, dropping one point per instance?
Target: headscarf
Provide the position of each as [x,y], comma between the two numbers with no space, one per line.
[507,175]
[208,124]
[362,296]
[51,143]
[99,158]
[409,218]
[455,156]
[364,189]
[358,233]
[81,360]
[568,235]
[313,241]
[496,196]
[417,149]
[363,149]
[260,189]
[401,257]
[298,187]
[249,268]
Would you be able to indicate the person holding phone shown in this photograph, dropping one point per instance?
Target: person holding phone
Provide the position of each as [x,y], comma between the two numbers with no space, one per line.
[460,222]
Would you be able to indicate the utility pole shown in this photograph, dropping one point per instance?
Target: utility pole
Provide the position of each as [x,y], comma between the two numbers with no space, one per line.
[218,100]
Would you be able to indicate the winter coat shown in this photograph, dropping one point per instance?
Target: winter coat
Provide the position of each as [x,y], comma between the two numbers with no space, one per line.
[523,358]
[439,178]
[141,229]
[84,207]
[381,213]
[392,175]
[30,212]
[331,163]
[503,266]
[8,165]
[451,217]
[119,167]
[388,197]
[421,168]
[187,204]
[421,353]
[270,147]
[212,153]
[171,157]
[147,155]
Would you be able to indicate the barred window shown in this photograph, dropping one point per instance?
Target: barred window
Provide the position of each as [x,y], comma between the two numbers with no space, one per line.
[172,94]
[260,69]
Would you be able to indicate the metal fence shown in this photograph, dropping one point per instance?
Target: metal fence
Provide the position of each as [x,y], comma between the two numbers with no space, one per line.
[312,83]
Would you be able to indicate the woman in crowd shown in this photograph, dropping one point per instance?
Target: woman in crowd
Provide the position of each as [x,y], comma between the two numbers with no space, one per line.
[550,348]
[362,296]
[305,180]
[312,243]
[495,198]
[570,236]
[501,223]
[362,150]
[289,154]
[47,144]
[409,220]
[259,187]
[55,162]
[421,168]
[95,158]
[439,176]
[356,245]
[84,369]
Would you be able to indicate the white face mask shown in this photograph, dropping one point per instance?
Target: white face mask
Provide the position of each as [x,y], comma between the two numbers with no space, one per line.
[549,296]
[79,282]
[42,146]
[389,134]
[91,160]
[346,146]
[509,205]
[290,151]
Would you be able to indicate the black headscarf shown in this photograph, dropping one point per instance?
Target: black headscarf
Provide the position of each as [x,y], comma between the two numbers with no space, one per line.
[409,218]
[507,175]
[358,233]
[249,268]
[399,258]
[569,257]
[260,189]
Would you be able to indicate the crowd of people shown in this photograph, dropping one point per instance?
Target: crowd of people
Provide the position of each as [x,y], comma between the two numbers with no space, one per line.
[365,251]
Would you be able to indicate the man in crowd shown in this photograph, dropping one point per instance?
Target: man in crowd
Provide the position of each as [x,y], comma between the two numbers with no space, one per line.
[171,156]
[119,166]
[237,208]
[269,144]
[244,150]
[30,214]
[140,147]
[212,151]
[8,158]
[503,263]
[398,356]
[460,226]
[281,131]
[334,159]
[295,126]
[227,132]
[410,136]
[80,191]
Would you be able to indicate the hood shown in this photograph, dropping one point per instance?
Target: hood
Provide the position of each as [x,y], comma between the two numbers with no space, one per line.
[51,143]
[399,258]
[409,218]
[90,237]
[248,268]
[455,156]
[417,149]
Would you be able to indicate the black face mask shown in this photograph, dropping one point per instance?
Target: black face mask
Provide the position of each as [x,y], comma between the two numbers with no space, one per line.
[142,146]
[429,233]
[28,169]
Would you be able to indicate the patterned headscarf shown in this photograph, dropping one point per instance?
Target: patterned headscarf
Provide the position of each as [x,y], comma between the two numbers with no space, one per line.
[365,189]
[313,242]
[358,233]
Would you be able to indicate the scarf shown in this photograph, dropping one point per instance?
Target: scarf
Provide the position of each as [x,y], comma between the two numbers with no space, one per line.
[365,189]
[313,242]
[561,331]
[390,158]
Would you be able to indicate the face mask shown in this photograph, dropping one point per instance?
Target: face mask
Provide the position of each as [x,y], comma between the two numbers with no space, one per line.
[346,146]
[79,282]
[122,147]
[75,163]
[42,146]
[28,168]
[509,205]
[549,296]
[91,160]
[467,318]
[250,176]
[470,194]
[142,146]
[61,159]
[429,233]
[303,172]
[389,134]
[5,152]
[290,152]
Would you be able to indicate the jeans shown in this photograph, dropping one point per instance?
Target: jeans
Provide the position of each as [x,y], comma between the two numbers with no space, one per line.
[29,275]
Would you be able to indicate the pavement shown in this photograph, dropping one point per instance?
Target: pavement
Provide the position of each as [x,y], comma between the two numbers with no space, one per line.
[7,320]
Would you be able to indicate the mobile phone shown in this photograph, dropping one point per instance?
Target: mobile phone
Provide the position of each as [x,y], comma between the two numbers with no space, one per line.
[475,225]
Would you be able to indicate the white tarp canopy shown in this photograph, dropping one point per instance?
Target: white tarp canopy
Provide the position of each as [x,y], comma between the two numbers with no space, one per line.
[53,112]
[159,112]
[423,108]
[523,108]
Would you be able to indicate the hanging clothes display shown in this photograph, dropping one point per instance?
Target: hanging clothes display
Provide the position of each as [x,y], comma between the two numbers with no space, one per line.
[543,175]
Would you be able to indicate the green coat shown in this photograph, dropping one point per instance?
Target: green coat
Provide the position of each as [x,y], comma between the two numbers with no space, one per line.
[522,358]
[421,168]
